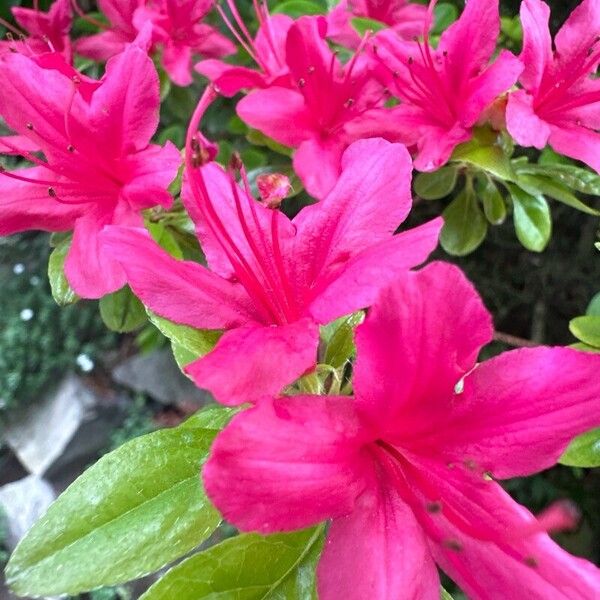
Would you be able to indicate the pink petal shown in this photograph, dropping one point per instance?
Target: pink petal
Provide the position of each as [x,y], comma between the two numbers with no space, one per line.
[252,362]
[279,113]
[370,199]
[318,163]
[377,551]
[182,291]
[17,145]
[339,29]
[436,146]
[429,326]
[91,271]
[488,544]
[286,464]
[360,281]
[493,82]
[102,46]
[26,206]
[177,61]
[579,33]
[120,12]
[579,143]
[270,42]
[124,110]
[229,79]
[537,43]
[471,41]
[211,42]
[523,124]
[519,411]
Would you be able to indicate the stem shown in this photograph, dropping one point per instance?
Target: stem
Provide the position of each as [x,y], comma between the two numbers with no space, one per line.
[513,340]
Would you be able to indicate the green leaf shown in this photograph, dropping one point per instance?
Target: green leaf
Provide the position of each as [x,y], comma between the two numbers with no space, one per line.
[465,227]
[258,138]
[533,223]
[298,8]
[576,178]
[341,344]
[253,158]
[445,15]
[539,184]
[583,451]
[586,329]
[121,311]
[444,595]
[361,25]
[137,509]
[511,28]
[593,309]
[247,567]
[61,290]
[211,417]
[494,206]
[437,184]
[488,158]
[164,238]
[188,343]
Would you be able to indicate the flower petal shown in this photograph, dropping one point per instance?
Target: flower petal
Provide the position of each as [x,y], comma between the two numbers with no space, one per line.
[228,78]
[359,282]
[519,411]
[182,291]
[579,33]
[287,463]
[252,362]
[523,124]
[537,43]
[577,142]
[377,551]
[429,326]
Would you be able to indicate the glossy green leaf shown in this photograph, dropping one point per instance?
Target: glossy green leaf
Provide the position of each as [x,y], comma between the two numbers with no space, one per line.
[137,509]
[533,223]
[488,158]
[164,238]
[188,343]
[298,8]
[121,311]
[586,329]
[583,451]
[465,226]
[494,206]
[61,290]
[445,15]
[541,184]
[576,178]
[341,344]
[437,184]
[444,595]
[247,567]
[361,25]
[211,417]
[593,309]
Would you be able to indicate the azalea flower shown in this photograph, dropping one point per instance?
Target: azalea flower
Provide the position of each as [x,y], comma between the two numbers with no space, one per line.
[406,469]
[331,106]
[43,32]
[444,91]
[404,17]
[98,165]
[561,97]
[267,50]
[177,33]
[271,280]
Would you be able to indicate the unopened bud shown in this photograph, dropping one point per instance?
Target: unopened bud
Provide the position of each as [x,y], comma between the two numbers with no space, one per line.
[273,188]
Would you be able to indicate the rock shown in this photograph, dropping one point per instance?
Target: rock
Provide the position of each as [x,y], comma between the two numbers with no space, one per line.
[158,375]
[68,424]
[24,502]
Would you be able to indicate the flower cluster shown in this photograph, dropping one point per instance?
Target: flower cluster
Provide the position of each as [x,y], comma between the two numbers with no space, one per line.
[406,466]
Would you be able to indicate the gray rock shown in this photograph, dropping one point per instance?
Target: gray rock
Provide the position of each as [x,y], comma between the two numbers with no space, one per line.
[24,502]
[67,417]
[158,375]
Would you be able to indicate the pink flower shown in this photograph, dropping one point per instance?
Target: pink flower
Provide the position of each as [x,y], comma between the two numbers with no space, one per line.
[405,18]
[331,106]
[445,90]
[99,167]
[406,468]
[177,32]
[47,32]
[267,50]
[271,280]
[560,102]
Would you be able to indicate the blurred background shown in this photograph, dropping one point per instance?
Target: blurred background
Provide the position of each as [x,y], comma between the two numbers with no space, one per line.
[71,389]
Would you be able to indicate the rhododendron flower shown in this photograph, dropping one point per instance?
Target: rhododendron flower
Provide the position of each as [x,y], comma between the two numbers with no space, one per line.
[332,106]
[267,50]
[445,90]
[46,31]
[406,468]
[99,167]
[404,17]
[560,102]
[271,280]
[177,32]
